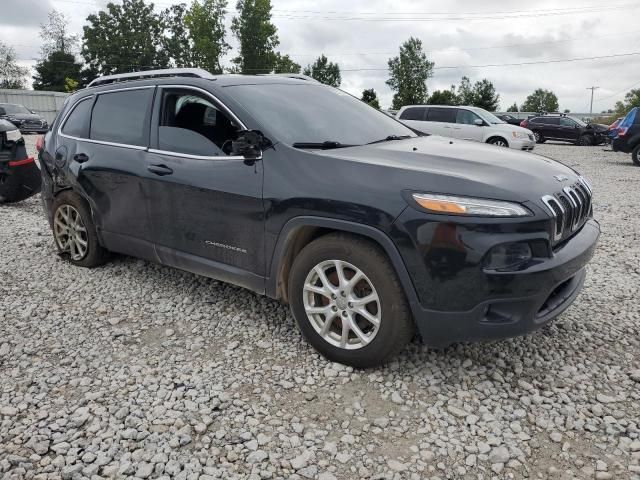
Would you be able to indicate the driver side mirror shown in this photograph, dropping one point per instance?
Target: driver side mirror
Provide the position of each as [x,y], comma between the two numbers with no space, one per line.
[478,122]
[248,144]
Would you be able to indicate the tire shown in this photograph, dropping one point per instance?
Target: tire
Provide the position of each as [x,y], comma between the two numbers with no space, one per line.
[635,155]
[585,140]
[538,136]
[498,142]
[395,327]
[70,209]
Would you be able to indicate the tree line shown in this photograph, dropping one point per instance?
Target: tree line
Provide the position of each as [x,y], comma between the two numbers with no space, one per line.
[133,36]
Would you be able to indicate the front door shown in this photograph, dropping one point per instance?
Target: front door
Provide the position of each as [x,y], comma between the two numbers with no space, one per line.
[568,129]
[466,127]
[205,205]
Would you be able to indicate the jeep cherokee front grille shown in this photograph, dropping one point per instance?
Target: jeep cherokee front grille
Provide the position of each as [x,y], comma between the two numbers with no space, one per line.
[570,209]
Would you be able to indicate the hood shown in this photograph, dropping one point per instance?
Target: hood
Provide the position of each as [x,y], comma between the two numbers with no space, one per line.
[443,165]
[509,127]
[7,126]
[25,116]
[598,127]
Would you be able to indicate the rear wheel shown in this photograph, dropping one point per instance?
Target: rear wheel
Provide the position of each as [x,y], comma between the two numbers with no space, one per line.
[498,142]
[538,136]
[635,155]
[348,301]
[74,231]
[585,140]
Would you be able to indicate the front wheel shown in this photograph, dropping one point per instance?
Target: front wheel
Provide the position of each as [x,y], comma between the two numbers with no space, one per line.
[585,140]
[348,301]
[635,155]
[498,142]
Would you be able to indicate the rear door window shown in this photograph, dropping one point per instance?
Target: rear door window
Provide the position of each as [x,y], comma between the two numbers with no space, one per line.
[445,115]
[413,113]
[122,117]
[77,123]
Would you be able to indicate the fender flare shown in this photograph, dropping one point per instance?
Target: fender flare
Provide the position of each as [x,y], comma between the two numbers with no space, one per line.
[285,238]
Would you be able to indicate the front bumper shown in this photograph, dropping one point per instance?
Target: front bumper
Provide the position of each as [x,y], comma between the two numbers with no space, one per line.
[19,179]
[505,304]
[619,144]
[522,144]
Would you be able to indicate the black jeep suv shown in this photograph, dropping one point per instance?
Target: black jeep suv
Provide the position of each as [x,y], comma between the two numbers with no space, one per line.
[562,127]
[300,191]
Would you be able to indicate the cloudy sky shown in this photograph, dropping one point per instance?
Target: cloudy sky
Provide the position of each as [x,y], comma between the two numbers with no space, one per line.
[360,35]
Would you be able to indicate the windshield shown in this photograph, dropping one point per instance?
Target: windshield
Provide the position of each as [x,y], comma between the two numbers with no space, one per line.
[578,121]
[488,116]
[313,113]
[11,108]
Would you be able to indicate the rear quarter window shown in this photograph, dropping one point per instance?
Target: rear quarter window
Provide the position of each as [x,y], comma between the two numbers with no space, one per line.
[77,123]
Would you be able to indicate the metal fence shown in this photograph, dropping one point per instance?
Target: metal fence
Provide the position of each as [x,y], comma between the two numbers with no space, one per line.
[47,104]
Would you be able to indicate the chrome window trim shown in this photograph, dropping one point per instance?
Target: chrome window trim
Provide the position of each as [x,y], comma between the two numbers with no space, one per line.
[201,157]
[101,142]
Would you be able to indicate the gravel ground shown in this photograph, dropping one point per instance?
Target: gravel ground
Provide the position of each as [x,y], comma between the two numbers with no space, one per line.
[134,369]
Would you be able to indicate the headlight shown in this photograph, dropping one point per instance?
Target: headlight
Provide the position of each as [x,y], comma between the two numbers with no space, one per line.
[469,206]
[520,135]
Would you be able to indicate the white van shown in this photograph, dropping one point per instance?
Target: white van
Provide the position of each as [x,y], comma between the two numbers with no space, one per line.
[466,123]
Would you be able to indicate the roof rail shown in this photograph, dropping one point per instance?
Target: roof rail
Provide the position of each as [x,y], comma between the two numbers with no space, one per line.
[298,76]
[166,72]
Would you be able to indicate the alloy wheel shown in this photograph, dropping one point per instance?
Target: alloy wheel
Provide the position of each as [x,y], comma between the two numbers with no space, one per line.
[70,232]
[342,304]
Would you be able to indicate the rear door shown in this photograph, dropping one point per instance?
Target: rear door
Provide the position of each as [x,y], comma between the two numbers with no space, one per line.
[441,121]
[414,117]
[551,127]
[107,157]
[465,127]
[205,204]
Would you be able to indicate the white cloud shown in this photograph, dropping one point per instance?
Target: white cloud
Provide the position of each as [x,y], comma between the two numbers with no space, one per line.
[359,44]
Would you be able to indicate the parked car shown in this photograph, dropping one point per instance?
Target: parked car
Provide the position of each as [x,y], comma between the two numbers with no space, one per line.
[300,191]
[466,123]
[628,139]
[510,119]
[612,131]
[19,175]
[565,128]
[26,120]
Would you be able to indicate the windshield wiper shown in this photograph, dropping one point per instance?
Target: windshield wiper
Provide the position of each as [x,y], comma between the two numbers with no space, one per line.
[390,138]
[327,145]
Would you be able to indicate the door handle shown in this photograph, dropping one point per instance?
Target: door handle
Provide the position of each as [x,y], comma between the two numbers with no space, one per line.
[160,169]
[80,157]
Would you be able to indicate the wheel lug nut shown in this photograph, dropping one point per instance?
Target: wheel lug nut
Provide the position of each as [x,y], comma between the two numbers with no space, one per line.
[350,305]
[344,314]
[334,308]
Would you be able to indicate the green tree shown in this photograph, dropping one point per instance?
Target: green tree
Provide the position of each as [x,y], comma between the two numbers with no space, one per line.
[465,92]
[284,64]
[408,74]
[513,108]
[12,75]
[176,43]
[53,71]
[324,71]
[444,97]
[631,99]
[70,85]
[124,38]
[485,96]
[257,36]
[541,101]
[371,97]
[205,22]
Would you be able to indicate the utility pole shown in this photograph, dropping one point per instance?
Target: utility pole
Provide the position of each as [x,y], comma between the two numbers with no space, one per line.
[592,90]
